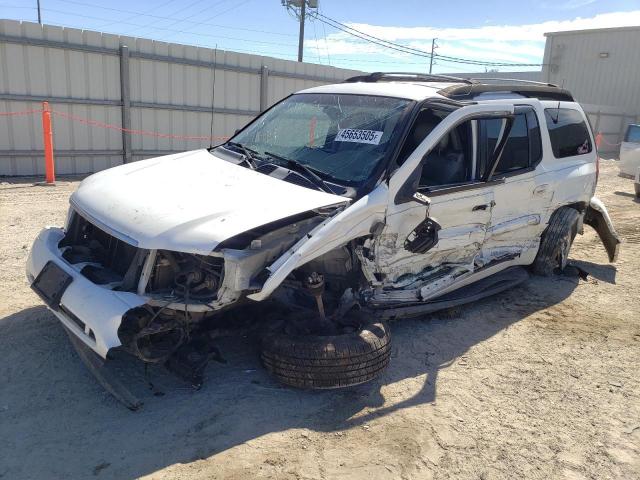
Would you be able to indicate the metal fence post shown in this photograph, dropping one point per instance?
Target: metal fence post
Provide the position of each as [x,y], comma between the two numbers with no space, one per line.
[126,103]
[264,88]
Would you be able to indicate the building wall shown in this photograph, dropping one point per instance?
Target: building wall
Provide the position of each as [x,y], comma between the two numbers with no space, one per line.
[535,76]
[602,69]
[92,83]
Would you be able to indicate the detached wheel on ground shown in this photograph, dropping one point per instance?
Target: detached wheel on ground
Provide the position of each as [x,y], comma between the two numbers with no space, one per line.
[331,361]
[556,242]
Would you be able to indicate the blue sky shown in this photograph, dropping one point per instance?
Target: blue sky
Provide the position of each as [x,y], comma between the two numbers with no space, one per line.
[503,31]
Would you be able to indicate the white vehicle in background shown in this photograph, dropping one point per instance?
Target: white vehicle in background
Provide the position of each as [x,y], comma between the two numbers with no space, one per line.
[630,152]
[383,197]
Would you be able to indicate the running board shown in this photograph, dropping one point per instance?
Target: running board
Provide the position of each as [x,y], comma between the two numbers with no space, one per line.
[486,287]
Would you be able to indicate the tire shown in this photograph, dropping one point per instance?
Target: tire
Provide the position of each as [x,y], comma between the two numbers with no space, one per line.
[637,189]
[324,362]
[556,242]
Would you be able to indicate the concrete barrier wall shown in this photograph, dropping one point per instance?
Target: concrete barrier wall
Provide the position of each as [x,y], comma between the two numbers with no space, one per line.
[95,80]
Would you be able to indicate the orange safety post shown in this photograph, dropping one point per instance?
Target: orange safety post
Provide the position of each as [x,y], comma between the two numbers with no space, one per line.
[312,131]
[47,135]
[598,140]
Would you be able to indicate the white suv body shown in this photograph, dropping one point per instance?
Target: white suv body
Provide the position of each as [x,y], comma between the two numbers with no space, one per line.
[469,198]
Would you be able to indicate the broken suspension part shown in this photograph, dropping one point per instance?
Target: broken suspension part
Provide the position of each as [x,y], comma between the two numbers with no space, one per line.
[152,335]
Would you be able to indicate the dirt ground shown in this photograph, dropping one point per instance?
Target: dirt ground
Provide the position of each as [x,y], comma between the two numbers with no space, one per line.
[539,382]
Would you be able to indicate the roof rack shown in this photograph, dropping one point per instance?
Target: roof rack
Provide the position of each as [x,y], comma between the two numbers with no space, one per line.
[469,88]
[537,90]
[405,77]
[512,80]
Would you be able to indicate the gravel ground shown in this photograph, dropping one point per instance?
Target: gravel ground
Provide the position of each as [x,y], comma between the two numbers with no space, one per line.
[539,382]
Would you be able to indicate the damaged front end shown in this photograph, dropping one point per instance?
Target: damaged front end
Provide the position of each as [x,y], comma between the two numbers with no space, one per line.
[150,302]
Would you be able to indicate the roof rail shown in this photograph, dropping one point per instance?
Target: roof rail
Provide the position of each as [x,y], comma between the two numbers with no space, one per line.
[405,77]
[510,80]
[539,91]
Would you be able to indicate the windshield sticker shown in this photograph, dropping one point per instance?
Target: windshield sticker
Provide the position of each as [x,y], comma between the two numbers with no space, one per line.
[359,136]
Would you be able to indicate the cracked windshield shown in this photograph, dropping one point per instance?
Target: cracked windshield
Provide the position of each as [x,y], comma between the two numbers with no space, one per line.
[340,137]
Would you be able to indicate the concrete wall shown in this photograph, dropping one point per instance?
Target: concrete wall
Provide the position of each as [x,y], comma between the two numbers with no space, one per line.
[602,69]
[145,85]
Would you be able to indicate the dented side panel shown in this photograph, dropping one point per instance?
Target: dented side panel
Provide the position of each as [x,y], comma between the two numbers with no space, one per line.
[460,238]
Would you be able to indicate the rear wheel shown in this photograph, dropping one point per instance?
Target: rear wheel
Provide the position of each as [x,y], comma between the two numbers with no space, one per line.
[556,242]
[637,188]
[316,361]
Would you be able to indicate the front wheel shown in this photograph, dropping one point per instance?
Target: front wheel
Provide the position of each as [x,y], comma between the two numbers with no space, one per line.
[328,361]
[556,242]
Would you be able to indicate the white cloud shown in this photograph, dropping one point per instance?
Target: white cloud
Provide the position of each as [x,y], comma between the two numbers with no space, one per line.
[498,43]
[531,32]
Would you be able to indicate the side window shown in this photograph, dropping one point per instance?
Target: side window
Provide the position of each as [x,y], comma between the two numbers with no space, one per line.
[515,155]
[535,142]
[450,161]
[523,148]
[568,132]
[425,122]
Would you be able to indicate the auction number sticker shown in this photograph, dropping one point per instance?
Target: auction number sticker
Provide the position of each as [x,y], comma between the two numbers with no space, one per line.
[359,136]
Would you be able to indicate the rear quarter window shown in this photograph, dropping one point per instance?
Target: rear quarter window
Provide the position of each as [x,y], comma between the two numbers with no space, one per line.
[568,132]
[633,134]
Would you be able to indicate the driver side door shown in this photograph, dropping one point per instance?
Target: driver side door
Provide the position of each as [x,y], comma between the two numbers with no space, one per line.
[439,212]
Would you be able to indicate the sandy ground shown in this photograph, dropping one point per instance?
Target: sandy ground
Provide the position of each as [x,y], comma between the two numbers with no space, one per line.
[539,382]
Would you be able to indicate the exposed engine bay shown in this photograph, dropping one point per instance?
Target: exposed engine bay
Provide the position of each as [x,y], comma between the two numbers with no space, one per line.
[184,289]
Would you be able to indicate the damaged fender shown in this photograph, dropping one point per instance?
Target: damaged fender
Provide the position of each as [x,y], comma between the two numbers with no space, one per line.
[353,222]
[597,217]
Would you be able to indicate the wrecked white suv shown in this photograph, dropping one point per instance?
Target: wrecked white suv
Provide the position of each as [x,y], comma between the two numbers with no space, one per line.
[386,196]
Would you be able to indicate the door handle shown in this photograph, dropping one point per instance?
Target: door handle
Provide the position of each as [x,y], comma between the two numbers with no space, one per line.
[484,206]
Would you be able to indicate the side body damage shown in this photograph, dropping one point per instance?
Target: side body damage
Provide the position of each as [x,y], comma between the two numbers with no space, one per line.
[154,252]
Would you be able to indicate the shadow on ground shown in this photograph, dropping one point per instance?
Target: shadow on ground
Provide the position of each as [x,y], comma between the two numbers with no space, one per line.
[628,194]
[57,422]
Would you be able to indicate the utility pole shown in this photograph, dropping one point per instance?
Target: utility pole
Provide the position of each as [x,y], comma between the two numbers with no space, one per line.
[303,11]
[433,48]
[298,9]
[39,16]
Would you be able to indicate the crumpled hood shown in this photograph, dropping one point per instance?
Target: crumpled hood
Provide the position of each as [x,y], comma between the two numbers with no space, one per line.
[189,202]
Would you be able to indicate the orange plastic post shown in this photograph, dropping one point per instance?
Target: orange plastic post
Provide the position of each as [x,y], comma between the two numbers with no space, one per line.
[312,131]
[47,134]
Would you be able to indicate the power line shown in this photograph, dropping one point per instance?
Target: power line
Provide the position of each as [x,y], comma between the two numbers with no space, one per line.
[326,46]
[136,15]
[421,53]
[409,50]
[179,20]
[162,17]
[315,34]
[171,30]
[193,15]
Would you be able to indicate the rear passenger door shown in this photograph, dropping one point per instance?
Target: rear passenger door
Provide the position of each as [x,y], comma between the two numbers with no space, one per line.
[522,194]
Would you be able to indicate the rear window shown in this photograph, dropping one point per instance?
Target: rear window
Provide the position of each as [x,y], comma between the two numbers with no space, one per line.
[568,132]
[633,134]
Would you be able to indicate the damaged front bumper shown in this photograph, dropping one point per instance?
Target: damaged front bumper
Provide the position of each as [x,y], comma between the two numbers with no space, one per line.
[598,218]
[91,312]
